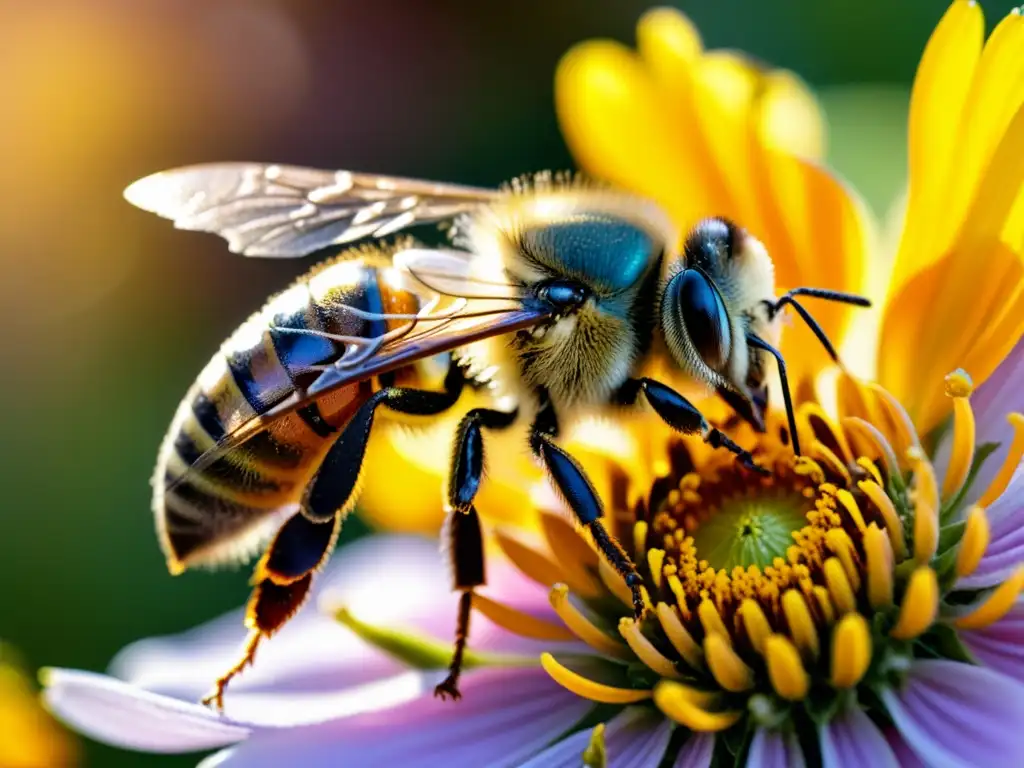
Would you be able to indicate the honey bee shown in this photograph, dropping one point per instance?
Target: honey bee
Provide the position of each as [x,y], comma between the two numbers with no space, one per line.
[556,293]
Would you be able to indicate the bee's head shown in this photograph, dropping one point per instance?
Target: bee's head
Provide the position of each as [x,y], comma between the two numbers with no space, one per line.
[712,300]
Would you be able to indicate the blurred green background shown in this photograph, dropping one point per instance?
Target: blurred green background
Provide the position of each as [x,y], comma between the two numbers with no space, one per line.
[107,313]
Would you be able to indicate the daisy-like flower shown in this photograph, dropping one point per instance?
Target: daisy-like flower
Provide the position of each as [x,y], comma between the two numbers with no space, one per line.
[857,607]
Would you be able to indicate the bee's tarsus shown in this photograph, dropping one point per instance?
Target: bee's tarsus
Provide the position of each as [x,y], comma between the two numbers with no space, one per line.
[215,698]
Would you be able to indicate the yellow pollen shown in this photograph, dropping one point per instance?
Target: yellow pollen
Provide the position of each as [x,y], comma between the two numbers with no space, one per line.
[640,529]
[528,559]
[996,605]
[958,386]
[974,541]
[850,505]
[755,623]
[645,650]
[589,689]
[801,623]
[824,603]
[655,561]
[520,623]
[1013,458]
[823,453]
[688,707]
[920,604]
[872,442]
[711,620]
[785,670]
[869,466]
[885,506]
[726,666]
[839,586]
[582,627]
[851,650]
[679,636]
[576,557]
[842,546]
[878,553]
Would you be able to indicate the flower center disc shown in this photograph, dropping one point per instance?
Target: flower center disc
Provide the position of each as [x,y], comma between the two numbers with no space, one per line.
[749,531]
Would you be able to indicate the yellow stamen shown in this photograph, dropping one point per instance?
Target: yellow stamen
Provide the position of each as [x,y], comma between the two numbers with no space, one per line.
[869,466]
[839,586]
[528,559]
[595,755]
[973,543]
[901,427]
[655,561]
[871,442]
[926,507]
[800,621]
[851,650]
[728,668]
[996,605]
[520,623]
[582,627]
[589,689]
[808,467]
[893,525]
[850,505]
[926,487]
[812,414]
[755,622]
[679,636]
[841,544]
[711,620]
[617,586]
[576,557]
[878,553]
[1013,458]
[686,706]
[785,670]
[920,604]
[639,539]
[959,387]
[645,650]
[823,453]
[854,398]
[824,602]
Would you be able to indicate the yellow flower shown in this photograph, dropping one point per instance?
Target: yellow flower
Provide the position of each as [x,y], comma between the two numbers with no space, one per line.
[707,133]
[29,738]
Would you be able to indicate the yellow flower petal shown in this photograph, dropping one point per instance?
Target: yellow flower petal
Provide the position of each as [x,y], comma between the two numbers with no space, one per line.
[851,650]
[679,636]
[575,556]
[582,627]
[645,650]
[528,557]
[996,605]
[920,604]
[520,623]
[1010,463]
[791,119]
[30,736]
[686,706]
[587,688]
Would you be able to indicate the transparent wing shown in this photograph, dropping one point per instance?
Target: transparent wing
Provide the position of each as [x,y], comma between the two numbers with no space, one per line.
[288,211]
[459,310]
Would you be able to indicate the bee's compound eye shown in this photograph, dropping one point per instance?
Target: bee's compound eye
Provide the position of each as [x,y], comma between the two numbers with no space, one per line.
[693,301]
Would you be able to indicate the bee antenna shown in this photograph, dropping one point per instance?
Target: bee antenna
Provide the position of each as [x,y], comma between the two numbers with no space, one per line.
[760,343]
[819,293]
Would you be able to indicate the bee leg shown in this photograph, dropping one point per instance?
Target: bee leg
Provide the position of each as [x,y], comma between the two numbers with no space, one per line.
[574,486]
[681,415]
[282,577]
[465,539]
[333,489]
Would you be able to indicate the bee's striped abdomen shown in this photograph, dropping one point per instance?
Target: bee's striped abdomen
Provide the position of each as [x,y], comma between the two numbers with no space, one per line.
[216,513]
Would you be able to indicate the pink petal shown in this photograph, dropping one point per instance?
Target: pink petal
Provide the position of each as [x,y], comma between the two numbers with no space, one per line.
[696,752]
[505,716]
[905,756]
[853,739]
[1005,551]
[957,714]
[775,749]
[116,713]
[399,581]
[1000,645]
